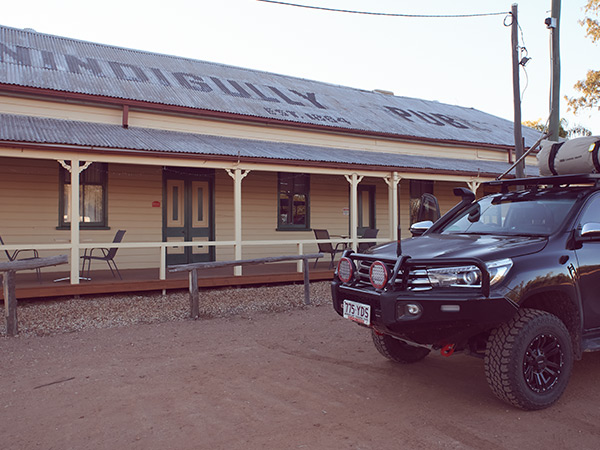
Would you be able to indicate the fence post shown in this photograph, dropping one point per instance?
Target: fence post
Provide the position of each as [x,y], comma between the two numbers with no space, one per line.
[306,281]
[10,303]
[192,270]
[194,294]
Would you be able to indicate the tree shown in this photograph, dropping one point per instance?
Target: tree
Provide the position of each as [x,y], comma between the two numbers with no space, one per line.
[590,87]
[563,128]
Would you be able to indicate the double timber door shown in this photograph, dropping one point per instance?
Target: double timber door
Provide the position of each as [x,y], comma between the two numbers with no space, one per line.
[188,214]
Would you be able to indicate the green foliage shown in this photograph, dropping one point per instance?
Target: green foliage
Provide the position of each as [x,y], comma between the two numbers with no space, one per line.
[592,25]
[590,90]
[590,87]
[564,131]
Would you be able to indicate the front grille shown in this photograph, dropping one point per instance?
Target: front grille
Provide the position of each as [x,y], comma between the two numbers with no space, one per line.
[417,279]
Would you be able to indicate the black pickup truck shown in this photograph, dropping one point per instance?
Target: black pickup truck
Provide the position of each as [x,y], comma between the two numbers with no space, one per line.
[513,278]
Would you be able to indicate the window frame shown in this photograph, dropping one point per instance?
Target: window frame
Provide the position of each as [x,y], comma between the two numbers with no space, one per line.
[294,191]
[65,180]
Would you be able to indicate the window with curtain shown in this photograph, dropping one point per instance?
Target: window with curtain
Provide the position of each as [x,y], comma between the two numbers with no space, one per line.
[293,201]
[92,197]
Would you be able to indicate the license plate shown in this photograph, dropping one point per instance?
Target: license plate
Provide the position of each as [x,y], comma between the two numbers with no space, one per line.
[358,312]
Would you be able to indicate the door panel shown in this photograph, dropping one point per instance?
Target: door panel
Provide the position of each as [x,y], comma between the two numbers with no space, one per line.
[175,201]
[175,220]
[588,257]
[200,204]
[200,249]
[175,250]
[188,214]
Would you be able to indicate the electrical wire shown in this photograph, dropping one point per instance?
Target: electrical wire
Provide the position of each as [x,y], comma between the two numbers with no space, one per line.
[522,49]
[428,16]
[526,82]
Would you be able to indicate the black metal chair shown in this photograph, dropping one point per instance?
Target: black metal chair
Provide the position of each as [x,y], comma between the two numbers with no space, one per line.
[369,233]
[14,256]
[108,255]
[327,247]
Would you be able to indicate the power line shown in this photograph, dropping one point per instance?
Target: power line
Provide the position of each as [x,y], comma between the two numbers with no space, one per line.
[387,14]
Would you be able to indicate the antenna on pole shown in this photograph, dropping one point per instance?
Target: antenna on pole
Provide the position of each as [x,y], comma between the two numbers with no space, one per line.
[514,41]
[553,24]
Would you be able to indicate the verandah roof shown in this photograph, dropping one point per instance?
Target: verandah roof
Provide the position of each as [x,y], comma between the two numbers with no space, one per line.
[57,132]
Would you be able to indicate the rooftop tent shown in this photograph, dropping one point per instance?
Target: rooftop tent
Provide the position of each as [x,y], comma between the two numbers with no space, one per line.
[579,155]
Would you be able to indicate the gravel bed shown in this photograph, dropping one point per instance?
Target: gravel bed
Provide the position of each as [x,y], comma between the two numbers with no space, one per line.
[67,315]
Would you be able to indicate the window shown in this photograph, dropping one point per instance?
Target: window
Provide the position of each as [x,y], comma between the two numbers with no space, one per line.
[512,215]
[293,201]
[592,211]
[417,189]
[92,197]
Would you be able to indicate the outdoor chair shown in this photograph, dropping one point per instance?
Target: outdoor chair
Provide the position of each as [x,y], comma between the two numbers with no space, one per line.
[369,233]
[14,256]
[108,255]
[327,247]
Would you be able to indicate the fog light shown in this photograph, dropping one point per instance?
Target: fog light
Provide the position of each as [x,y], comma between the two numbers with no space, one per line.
[345,269]
[378,273]
[413,309]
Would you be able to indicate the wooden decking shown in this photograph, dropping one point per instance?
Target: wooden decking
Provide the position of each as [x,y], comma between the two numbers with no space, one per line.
[144,280]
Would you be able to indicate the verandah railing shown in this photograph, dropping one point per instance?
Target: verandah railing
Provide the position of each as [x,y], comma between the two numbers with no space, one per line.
[163,246]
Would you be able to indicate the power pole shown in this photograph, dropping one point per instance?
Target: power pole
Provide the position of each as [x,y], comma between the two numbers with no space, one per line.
[553,23]
[514,41]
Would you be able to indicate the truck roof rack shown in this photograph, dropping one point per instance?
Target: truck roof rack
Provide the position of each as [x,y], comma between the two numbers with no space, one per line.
[556,180]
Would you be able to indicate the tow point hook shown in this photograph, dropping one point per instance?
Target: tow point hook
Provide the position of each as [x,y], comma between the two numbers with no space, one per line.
[448,350]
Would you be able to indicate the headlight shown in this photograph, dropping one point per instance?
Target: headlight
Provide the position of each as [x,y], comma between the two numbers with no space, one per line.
[465,276]
[498,269]
[468,276]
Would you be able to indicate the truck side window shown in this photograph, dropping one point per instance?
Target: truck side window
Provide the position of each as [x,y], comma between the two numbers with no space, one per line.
[592,211]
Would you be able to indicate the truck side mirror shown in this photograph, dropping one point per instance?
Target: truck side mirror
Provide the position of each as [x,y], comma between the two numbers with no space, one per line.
[418,228]
[590,230]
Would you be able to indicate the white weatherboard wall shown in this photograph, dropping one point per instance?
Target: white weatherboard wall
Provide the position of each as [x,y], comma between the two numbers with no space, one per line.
[176,122]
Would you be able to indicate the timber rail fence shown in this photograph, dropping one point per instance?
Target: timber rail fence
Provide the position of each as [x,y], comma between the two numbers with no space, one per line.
[7,272]
[194,267]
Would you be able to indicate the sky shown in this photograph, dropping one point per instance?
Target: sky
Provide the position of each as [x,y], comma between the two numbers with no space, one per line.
[461,61]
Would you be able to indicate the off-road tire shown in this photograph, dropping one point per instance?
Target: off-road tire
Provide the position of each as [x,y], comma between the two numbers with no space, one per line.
[528,360]
[397,350]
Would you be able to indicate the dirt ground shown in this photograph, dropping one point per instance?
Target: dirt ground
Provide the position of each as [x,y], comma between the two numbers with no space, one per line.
[302,379]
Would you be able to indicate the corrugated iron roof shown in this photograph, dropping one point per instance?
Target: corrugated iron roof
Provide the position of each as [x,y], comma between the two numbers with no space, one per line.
[37,60]
[27,129]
